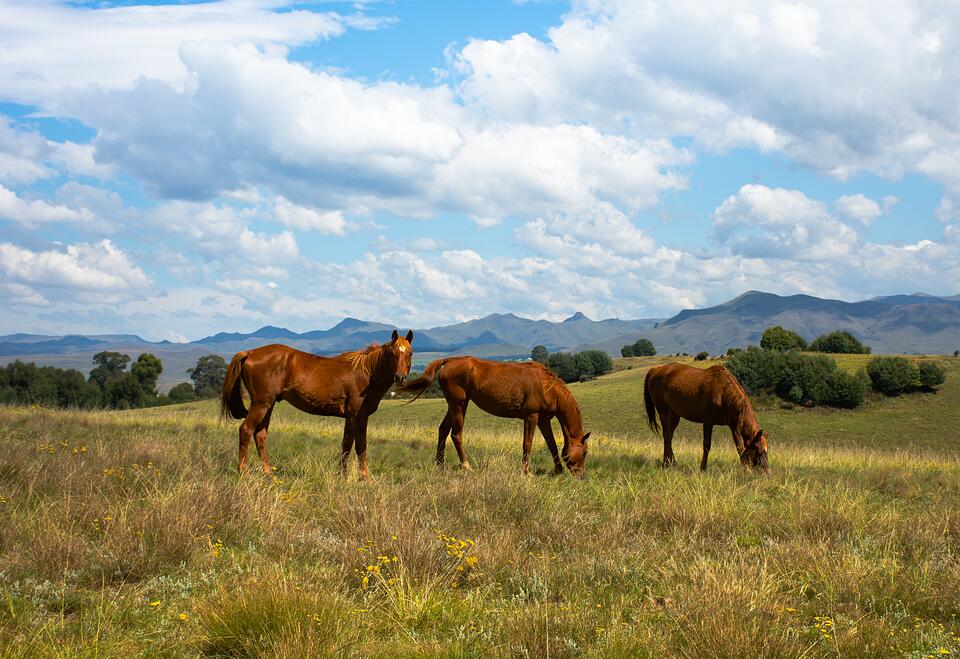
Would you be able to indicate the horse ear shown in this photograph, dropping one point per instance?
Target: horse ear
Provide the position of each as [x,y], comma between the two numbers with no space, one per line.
[585,438]
[758,436]
[395,335]
[410,336]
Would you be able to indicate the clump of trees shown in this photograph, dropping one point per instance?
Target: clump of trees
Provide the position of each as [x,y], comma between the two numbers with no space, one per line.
[109,385]
[839,342]
[800,378]
[574,367]
[781,340]
[897,375]
[701,356]
[640,348]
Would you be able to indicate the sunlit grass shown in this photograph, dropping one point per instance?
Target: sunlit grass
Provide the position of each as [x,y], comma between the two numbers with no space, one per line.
[129,533]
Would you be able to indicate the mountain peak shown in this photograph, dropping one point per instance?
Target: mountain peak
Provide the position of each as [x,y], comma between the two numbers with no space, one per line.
[577,316]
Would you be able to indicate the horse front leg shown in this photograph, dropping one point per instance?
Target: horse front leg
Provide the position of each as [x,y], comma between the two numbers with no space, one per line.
[361,447]
[348,434]
[547,431]
[707,440]
[529,426]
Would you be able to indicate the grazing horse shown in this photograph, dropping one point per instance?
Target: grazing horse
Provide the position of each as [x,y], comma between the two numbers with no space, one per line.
[709,396]
[527,391]
[349,386]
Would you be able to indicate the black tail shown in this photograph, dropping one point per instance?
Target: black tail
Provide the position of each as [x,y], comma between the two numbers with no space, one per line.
[423,382]
[648,404]
[231,397]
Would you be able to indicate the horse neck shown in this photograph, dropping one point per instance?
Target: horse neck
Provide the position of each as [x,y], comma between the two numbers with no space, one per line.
[747,424]
[375,375]
[568,414]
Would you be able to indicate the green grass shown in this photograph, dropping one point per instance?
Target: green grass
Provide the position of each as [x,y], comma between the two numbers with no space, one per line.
[128,533]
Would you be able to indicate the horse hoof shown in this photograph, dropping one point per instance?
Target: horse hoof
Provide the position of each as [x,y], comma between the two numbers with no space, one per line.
[466,466]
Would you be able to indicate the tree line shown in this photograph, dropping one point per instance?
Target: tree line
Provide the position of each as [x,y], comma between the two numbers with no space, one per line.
[574,367]
[110,384]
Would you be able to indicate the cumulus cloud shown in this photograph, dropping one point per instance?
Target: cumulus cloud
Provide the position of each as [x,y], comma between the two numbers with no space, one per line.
[860,208]
[49,46]
[82,267]
[777,223]
[32,212]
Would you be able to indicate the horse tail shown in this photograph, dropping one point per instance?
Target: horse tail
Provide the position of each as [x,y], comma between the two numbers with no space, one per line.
[648,404]
[420,384]
[231,397]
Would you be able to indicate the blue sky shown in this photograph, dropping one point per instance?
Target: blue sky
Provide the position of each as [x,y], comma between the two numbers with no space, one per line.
[177,169]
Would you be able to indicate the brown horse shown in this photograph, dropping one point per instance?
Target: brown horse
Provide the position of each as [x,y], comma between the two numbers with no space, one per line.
[709,396]
[349,386]
[527,391]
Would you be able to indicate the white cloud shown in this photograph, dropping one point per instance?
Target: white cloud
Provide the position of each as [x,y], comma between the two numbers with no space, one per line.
[309,219]
[861,208]
[83,267]
[776,223]
[50,47]
[33,212]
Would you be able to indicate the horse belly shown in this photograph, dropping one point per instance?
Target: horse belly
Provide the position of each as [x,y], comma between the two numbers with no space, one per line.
[328,407]
[691,409]
[504,403]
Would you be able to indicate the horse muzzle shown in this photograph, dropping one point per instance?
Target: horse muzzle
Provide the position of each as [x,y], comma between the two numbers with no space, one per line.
[399,379]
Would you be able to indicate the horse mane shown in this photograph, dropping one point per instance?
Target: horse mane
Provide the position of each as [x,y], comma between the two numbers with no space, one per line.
[365,361]
[733,393]
[549,381]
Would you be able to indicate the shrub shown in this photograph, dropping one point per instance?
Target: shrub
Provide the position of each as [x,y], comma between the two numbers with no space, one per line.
[893,375]
[701,356]
[733,351]
[781,340]
[847,390]
[839,342]
[599,360]
[565,366]
[804,379]
[182,393]
[540,354]
[931,374]
[640,348]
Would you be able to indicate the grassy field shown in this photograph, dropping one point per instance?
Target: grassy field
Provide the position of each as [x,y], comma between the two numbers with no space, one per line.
[128,533]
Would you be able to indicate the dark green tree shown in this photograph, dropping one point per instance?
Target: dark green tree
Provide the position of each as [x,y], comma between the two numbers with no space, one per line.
[644,348]
[208,375]
[182,393]
[147,369]
[123,392]
[839,342]
[564,365]
[893,375]
[600,361]
[627,350]
[108,365]
[781,340]
[584,365]
[540,354]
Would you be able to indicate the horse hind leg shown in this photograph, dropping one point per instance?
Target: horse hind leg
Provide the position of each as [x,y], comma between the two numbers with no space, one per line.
[707,440]
[261,439]
[668,424]
[250,427]
[529,426]
[458,414]
[442,433]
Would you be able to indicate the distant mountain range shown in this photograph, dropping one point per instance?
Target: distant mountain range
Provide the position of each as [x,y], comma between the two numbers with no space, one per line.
[917,323]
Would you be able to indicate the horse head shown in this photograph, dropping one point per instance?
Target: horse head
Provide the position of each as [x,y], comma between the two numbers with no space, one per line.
[575,454]
[754,454]
[400,355]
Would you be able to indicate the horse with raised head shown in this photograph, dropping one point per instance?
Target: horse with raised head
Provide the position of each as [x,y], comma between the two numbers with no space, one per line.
[350,386]
[710,396]
[527,391]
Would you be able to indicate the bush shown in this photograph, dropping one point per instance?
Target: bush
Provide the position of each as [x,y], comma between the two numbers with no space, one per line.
[839,342]
[733,351]
[803,379]
[931,374]
[540,354]
[599,360]
[639,348]
[182,393]
[573,367]
[847,390]
[701,356]
[893,375]
[781,340]
[564,365]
